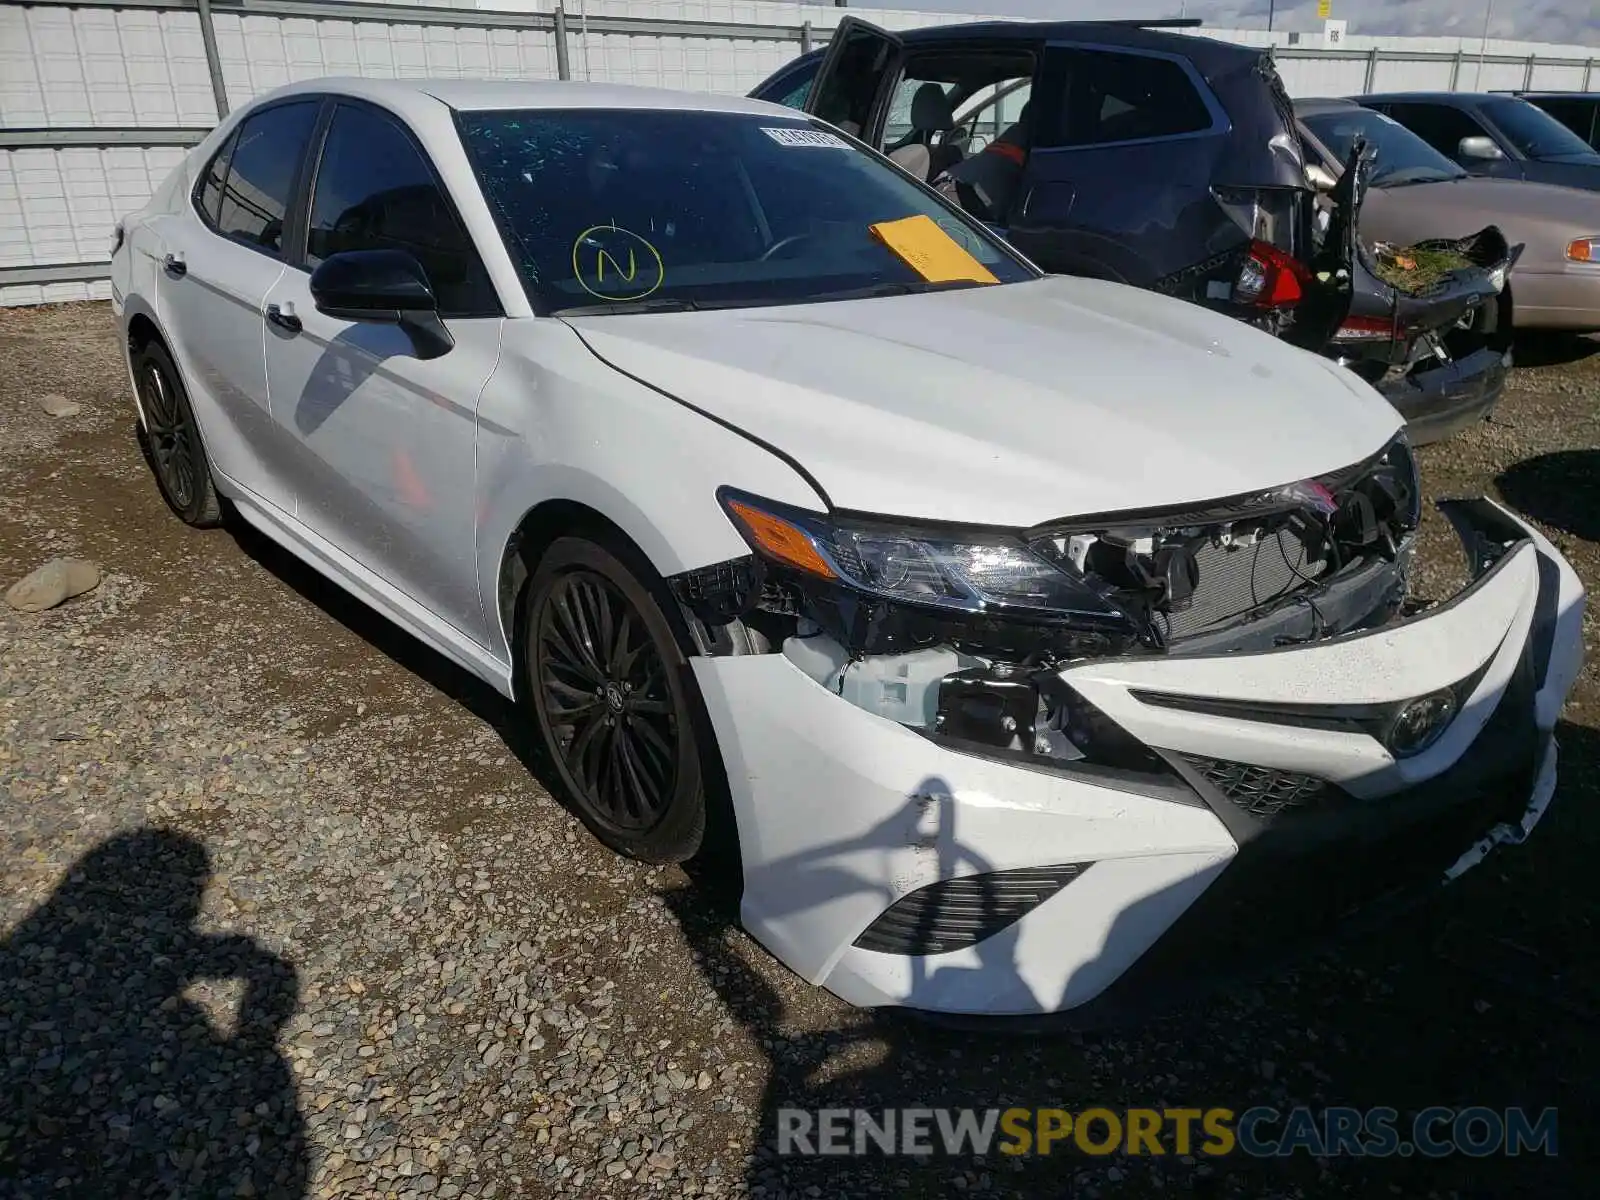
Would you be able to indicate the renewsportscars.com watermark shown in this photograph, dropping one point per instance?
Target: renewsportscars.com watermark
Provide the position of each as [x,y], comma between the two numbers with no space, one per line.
[1259,1132]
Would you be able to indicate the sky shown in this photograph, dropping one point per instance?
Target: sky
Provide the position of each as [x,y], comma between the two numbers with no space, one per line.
[1564,21]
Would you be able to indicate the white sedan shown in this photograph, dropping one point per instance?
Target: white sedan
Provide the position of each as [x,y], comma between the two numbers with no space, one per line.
[1037,641]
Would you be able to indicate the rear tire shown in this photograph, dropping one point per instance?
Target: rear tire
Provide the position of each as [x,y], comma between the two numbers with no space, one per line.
[170,439]
[611,694]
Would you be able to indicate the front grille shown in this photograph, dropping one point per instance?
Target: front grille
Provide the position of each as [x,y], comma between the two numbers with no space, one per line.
[956,913]
[1263,792]
[1233,580]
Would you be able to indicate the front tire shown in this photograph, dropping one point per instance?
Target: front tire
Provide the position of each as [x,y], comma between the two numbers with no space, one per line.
[610,690]
[170,438]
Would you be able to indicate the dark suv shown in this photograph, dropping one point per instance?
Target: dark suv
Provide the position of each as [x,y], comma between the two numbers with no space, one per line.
[1489,134]
[1129,152]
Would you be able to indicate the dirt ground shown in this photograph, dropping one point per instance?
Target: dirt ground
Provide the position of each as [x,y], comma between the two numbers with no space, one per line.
[215,768]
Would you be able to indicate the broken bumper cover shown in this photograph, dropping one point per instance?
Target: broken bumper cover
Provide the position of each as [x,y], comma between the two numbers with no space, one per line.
[1443,399]
[1096,885]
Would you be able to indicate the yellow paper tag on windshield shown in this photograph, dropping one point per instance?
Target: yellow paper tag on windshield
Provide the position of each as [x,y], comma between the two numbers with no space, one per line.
[930,251]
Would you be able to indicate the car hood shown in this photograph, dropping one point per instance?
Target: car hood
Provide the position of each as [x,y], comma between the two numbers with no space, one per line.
[1009,405]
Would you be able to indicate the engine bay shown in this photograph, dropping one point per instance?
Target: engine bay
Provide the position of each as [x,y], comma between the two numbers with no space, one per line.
[1310,560]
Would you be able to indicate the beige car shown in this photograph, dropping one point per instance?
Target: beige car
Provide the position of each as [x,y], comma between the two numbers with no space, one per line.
[1417,194]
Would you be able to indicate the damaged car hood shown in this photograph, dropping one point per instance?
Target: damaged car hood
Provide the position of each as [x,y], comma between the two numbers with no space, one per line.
[1008,405]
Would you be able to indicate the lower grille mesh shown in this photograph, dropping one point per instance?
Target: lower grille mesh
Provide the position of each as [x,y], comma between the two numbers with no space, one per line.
[1236,579]
[956,913]
[1263,792]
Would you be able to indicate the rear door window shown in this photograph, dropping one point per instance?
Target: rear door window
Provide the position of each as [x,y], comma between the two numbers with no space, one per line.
[262,174]
[1112,97]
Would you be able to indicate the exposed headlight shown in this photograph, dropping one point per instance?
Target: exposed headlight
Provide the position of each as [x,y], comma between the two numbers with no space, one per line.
[1584,249]
[961,570]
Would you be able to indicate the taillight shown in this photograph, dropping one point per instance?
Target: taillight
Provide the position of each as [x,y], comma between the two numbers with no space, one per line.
[1271,278]
[1366,329]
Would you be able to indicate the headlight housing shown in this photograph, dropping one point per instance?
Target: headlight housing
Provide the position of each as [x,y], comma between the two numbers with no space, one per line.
[951,570]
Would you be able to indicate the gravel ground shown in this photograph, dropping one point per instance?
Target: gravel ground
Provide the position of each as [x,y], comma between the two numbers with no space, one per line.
[285,913]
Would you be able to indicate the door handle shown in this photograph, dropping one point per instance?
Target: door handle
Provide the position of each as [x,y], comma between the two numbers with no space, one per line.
[283,320]
[175,265]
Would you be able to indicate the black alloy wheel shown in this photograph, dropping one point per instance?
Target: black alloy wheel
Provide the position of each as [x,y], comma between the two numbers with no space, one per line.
[171,439]
[609,685]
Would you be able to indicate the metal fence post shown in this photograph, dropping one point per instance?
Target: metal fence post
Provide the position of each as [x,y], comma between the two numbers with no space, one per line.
[1588,69]
[563,69]
[1455,72]
[1527,72]
[805,38]
[1372,70]
[208,39]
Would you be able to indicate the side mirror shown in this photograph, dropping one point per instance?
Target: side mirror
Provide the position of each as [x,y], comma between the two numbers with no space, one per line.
[387,286]
[1320,177]
[1483,148]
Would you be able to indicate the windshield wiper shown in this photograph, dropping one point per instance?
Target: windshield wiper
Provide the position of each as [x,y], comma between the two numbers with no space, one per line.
[621,307]
[894,289]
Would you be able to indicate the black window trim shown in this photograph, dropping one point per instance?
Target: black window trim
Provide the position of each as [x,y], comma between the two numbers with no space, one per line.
[319,138]
[1220,122]
[290,217]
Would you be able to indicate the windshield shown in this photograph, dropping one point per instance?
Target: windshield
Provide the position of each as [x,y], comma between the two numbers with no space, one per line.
[1402,157]
[618,210]
[1534,132]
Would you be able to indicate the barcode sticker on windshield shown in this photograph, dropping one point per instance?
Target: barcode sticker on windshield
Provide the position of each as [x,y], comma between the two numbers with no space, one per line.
[790,136]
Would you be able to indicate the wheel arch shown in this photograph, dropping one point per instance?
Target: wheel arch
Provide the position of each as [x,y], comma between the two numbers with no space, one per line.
[140,329]
[539,528]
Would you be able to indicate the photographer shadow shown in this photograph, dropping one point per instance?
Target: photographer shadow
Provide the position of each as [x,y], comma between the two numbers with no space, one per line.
[116,1084]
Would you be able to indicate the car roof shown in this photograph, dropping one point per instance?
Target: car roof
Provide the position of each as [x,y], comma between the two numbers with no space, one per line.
[472,95]
[1455,99]
[1316,104]
[1203,51]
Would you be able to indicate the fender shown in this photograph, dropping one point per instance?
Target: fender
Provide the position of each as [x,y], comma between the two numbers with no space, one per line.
[534,448]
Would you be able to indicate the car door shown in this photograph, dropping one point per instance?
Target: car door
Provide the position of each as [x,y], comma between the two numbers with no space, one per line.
[385,463]
[1443,126]
[852,85]
[1119,176]
[220,260]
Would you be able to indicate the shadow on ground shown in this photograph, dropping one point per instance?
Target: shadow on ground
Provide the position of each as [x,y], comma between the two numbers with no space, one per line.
[1553,347]
[116,1084]
[1561,489]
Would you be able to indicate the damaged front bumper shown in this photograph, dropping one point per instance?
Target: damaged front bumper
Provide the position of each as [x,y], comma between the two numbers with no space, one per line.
[1266,796]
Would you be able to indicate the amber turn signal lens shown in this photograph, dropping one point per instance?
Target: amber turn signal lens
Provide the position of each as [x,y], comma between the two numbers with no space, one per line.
[1584,250]
[781,540]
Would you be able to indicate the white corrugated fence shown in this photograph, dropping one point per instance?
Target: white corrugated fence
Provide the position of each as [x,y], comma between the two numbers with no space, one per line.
[99,98]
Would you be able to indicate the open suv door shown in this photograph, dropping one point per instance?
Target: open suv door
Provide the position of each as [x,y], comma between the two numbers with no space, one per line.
[1178,164]
[1163,161]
